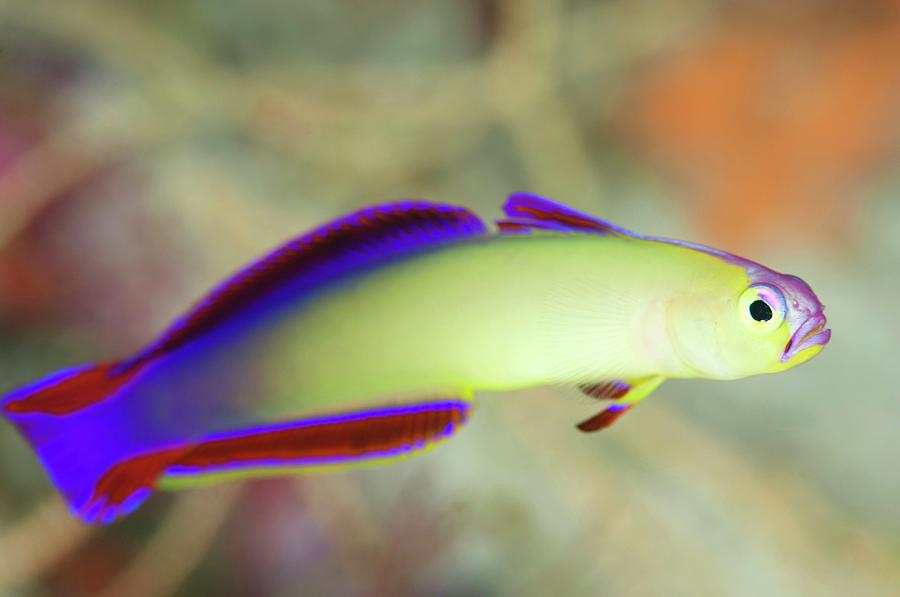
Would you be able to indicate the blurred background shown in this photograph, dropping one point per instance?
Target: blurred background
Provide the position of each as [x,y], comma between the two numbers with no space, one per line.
[147,149]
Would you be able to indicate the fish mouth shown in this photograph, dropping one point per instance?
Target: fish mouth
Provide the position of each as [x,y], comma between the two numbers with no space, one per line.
[811,333]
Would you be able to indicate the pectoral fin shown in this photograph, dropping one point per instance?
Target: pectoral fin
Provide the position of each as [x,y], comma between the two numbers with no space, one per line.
[625,393]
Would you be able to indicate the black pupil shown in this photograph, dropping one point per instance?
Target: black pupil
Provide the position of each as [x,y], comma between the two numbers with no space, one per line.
[760,310]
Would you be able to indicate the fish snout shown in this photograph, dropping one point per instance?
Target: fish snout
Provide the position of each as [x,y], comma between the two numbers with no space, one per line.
[811,333]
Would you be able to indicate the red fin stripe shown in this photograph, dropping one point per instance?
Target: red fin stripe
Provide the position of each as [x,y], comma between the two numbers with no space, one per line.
[538,212]
[338,441]
[125,480]
[70,392]
[604,419]
[569,220]
[512,226]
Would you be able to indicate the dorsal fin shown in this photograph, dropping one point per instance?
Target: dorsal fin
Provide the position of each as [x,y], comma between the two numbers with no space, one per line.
[359,240]
[526,213]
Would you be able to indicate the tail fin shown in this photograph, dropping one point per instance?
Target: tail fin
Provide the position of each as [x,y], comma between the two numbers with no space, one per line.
[52,416]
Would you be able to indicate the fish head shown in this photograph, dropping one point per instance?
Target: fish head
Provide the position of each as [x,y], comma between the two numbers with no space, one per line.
[802,316]
[749,321]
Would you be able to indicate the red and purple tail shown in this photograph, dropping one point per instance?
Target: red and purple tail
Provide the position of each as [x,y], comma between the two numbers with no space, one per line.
[58,417]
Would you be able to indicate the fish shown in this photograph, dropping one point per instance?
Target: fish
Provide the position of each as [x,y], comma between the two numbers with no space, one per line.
[366,341]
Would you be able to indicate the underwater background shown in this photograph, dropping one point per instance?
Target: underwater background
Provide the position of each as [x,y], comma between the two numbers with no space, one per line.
[148,149]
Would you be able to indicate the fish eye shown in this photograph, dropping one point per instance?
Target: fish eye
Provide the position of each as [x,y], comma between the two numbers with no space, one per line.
[760,310]
[763,308]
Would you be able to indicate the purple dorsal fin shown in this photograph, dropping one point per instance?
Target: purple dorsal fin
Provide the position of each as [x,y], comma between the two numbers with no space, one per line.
[365,238]
[527,213]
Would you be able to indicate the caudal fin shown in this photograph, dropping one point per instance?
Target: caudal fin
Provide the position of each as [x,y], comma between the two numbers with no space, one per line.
[53,416]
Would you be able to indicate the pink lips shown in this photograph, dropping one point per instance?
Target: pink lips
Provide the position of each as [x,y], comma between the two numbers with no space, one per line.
[811,333]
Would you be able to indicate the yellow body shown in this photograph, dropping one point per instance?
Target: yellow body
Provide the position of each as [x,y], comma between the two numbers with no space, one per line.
[501,313]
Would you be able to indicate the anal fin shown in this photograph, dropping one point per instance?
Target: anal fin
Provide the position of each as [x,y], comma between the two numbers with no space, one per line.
[345,439]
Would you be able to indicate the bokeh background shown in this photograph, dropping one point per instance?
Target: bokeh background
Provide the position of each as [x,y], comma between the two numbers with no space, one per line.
[147,149]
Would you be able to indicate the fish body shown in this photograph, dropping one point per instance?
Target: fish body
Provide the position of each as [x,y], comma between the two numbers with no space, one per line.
[498,313]
[367,339]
